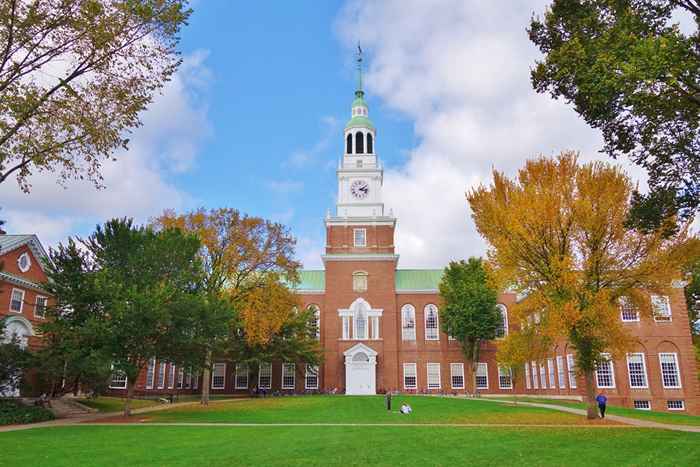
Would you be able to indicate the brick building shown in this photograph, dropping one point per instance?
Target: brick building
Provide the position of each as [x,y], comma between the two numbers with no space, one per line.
[23,302]
[379,325]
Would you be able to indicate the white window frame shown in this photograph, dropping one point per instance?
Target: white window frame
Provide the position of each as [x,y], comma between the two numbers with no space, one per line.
[667,316]
[161,375]
[29,262]
[150,373]
[408,324]
[641,406]
[360,317]
[528,383]
[431,333]
[267,367]
[611,369]
[561,372]
[180,378]
[456,371]
[673,355]
[374,327]
[45,306]
[195,380]
[346,327]
[571,367]
[504,373]
[503,310]
[625,307]
[681,401]
[289,371]
[21,301]
[535,375]
[214,375]
[360,281]
[484,374]
[123,380]
[551,374]
[171,377]
[543,376]
[188,378]
[644,368]
[312,373]
[361,235]
[242,374]
[410,370]
[430,375]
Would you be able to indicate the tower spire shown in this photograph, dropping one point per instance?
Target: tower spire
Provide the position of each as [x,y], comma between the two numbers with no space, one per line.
[359,92]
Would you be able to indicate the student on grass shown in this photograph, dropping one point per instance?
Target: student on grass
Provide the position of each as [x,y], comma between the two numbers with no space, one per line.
[406,409]
[602,401]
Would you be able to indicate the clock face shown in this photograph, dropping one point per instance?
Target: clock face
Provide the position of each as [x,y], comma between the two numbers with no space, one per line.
[359,189]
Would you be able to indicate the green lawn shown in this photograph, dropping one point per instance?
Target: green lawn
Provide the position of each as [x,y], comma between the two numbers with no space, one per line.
[660,417]
[139,445]
[363,409]
[115,404]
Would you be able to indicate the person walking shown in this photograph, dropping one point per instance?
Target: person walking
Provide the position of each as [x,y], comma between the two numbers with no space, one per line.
[602,403]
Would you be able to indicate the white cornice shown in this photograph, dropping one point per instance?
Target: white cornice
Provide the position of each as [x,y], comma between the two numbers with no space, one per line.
[309,292]
[360,257]
[369,220]
[418,291]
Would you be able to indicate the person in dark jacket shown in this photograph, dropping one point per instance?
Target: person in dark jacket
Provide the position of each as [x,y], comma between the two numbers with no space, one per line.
[602,403]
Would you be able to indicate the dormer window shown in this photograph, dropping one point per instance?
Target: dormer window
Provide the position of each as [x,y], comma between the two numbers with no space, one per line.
[24,262]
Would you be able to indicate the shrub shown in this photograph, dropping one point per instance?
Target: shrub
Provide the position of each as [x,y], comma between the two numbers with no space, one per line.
[14,412]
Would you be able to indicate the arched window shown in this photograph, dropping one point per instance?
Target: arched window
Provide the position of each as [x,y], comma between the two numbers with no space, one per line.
[370,144]
[317,314]
[431,322]
[408,322]
[361,325]
[502,329]
[360,357]
[348,144]
[359,143]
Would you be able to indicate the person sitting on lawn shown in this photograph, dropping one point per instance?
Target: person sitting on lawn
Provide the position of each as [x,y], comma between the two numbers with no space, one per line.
[406,409]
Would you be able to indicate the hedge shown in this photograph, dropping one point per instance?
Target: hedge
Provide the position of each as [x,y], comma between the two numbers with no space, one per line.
[14,412]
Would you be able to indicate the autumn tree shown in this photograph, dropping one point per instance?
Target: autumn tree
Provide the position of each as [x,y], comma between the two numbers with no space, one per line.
[469,312]
[631,72]
[241,256]
[556,234]
[74,76]
[124,295]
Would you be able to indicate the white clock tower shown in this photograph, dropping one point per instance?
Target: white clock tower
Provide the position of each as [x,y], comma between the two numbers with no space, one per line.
[360,175]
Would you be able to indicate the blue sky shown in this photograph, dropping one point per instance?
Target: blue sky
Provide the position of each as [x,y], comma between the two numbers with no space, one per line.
[253,120]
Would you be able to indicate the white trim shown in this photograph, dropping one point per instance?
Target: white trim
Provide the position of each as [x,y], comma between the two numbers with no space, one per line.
[29,262]
[551,373]
[681,408]
[431,385]
[360,257]
[161,375]
[171,376]
[437,322]
[111,380]
[571,371]
[314,371]
[414,368]
[408,333]
[151,373]
[418,291]
[644,367]
[648,404]
[509,375]
[678,370]
[239,375]
[349,221]
[503,311]
[479,366]
[363,237]
[285,371]
[214,374]
[268,373]
[664,318]
[36,306]
[459,373]
[561,372]
[612,374]
[21,302]
[309,292]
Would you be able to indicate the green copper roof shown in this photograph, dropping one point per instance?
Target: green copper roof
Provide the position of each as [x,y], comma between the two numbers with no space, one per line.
[311,280]
[360,121]
[360,102]
[418,279]
[406,279]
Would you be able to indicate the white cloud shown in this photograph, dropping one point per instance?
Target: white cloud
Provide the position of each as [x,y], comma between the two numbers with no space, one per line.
[137,184]
[305,157]
[460,70]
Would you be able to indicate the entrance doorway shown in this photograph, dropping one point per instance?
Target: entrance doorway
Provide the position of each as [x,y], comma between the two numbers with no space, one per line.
[360,370]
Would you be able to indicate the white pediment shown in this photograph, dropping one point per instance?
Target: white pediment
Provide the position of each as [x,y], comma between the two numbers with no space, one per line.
[357,348]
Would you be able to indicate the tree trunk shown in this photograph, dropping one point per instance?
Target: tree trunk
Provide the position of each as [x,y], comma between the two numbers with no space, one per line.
[475,365]
[591,408]
[130,386]
[206,379]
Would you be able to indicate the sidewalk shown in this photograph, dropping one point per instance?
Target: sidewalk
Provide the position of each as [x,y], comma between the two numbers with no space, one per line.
[616,418]
[94,417]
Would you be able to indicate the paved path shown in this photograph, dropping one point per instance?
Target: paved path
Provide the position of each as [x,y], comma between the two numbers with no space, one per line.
[412,425]
[95,417]
[616,418]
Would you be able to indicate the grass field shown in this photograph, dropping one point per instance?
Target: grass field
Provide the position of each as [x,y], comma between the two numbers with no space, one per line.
[116,404]
[364,409]
[660,417]
[574,442]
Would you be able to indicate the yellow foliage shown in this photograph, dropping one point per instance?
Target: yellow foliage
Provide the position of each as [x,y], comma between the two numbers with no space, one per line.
[557,235]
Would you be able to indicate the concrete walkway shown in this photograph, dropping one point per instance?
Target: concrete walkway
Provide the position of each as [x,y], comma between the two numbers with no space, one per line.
[616,418]
[95,417]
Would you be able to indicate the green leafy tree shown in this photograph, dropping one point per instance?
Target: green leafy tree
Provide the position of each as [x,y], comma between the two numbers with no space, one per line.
[14,360]
[469,313]
[692,299]
[128,294]
[74,76]
[631,73]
